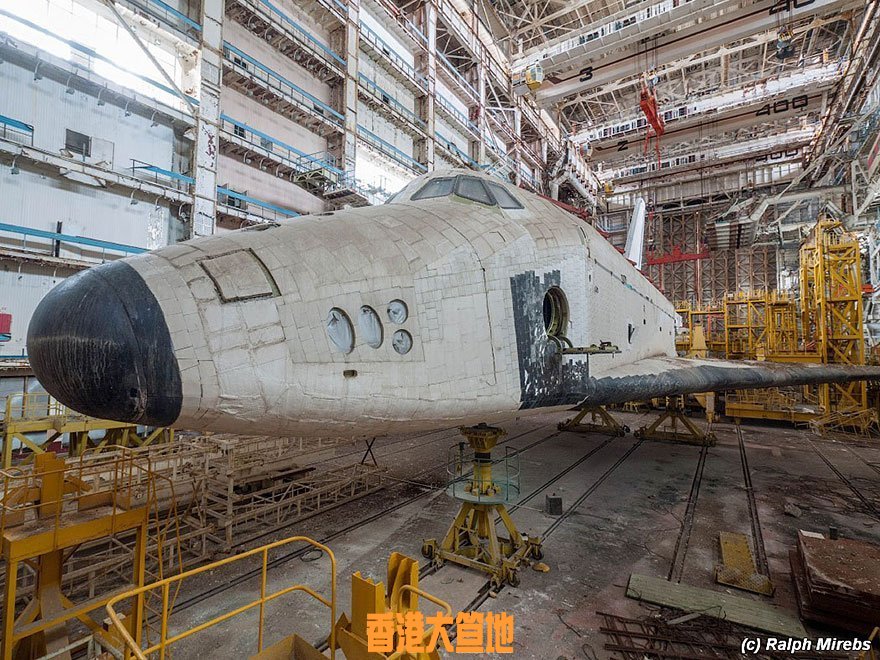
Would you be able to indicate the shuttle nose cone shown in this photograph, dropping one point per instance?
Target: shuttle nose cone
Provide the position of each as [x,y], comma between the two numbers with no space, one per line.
[98,343]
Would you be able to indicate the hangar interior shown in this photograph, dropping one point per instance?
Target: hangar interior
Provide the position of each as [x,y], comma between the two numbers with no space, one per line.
[729,149]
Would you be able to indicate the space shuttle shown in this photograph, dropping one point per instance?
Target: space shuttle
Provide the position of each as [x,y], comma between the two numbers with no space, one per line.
[460,300]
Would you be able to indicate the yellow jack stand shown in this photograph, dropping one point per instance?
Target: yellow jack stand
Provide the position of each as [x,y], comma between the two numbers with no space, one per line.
[674,414]
[472,539]
[608,425]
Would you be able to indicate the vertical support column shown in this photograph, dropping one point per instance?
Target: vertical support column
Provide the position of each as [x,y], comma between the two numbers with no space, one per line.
[208,121]
[478,114]
[427,66]
[698,265]
[517,145]
[7,645]
[139,567]
[344,146]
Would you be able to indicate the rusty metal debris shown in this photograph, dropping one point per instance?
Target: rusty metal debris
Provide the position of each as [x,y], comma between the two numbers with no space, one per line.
[668,635]
[837,581]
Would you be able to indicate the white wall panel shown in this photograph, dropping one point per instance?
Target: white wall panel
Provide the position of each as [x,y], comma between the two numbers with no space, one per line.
[22,287]
[261,51]
[37,201]
[295,12]
[50,110]
[452,133]
[265,186]
[254,114]
[389,132]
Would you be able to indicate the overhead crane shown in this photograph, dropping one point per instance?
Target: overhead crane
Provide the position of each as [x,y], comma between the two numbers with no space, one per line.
[576,71]
[772,107]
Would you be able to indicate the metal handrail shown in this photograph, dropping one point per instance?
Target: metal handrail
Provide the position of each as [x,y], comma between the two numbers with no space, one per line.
[458,115]
[389,149]
[387,97]
[380,45]
[19,127]
[300,160]
[132,644]
[280,83]
[122,485]
[23,405]
[126,475]
[408,588]
[305,35]
[462,478]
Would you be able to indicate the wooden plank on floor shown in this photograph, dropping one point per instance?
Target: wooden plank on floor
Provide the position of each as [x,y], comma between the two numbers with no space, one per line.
[752,613]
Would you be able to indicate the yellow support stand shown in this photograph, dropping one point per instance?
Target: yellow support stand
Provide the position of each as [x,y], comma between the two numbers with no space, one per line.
[679,428]
[607,425]
[831,304]
[473,540]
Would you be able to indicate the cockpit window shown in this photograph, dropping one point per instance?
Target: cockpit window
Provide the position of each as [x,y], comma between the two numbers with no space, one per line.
[439,187]
[505,198]
[469,187]
[472,188]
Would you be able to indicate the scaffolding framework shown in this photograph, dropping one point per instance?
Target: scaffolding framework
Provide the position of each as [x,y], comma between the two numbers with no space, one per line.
[37,412]
[745,322]
[831,304]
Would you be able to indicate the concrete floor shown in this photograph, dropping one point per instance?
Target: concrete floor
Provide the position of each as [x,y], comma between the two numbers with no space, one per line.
[629,523]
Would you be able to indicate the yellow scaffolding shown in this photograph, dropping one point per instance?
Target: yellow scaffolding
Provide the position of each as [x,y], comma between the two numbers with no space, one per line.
[782,337]
[745,324]
[37,412]
[831,304]
[46,514]
[825,324]
[711,317]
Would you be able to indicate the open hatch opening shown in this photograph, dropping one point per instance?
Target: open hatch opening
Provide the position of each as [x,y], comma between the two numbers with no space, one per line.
[555,312]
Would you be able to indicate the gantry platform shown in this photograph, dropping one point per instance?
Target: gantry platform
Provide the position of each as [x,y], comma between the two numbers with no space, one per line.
[37,412]
[45,515]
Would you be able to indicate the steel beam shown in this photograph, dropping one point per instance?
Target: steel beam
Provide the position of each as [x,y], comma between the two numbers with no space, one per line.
[605,68]
[797,93]
[204,211]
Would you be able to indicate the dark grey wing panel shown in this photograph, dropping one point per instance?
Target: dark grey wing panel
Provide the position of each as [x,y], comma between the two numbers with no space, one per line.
[665,376]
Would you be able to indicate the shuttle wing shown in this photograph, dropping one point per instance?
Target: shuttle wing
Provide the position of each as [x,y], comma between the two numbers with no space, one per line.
[668,376]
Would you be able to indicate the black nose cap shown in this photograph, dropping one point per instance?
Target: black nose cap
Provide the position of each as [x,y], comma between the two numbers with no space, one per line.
[98,343]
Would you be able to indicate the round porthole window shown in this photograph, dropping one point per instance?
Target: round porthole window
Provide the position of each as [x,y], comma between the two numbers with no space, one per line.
[402,342]
[340,330]
[397,311]
[555,312]
[370,326]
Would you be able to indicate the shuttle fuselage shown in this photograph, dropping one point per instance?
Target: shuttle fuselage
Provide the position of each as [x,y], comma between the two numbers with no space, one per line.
[438,308]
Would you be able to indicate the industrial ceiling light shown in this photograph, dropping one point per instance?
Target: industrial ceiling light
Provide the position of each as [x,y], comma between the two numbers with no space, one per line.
[133,201]
[127,111]
[14,169]
[100,100]
[69,89]
[37,74]
[153,121]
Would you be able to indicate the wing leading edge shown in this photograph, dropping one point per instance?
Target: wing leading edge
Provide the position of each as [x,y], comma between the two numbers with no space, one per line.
[669,376]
